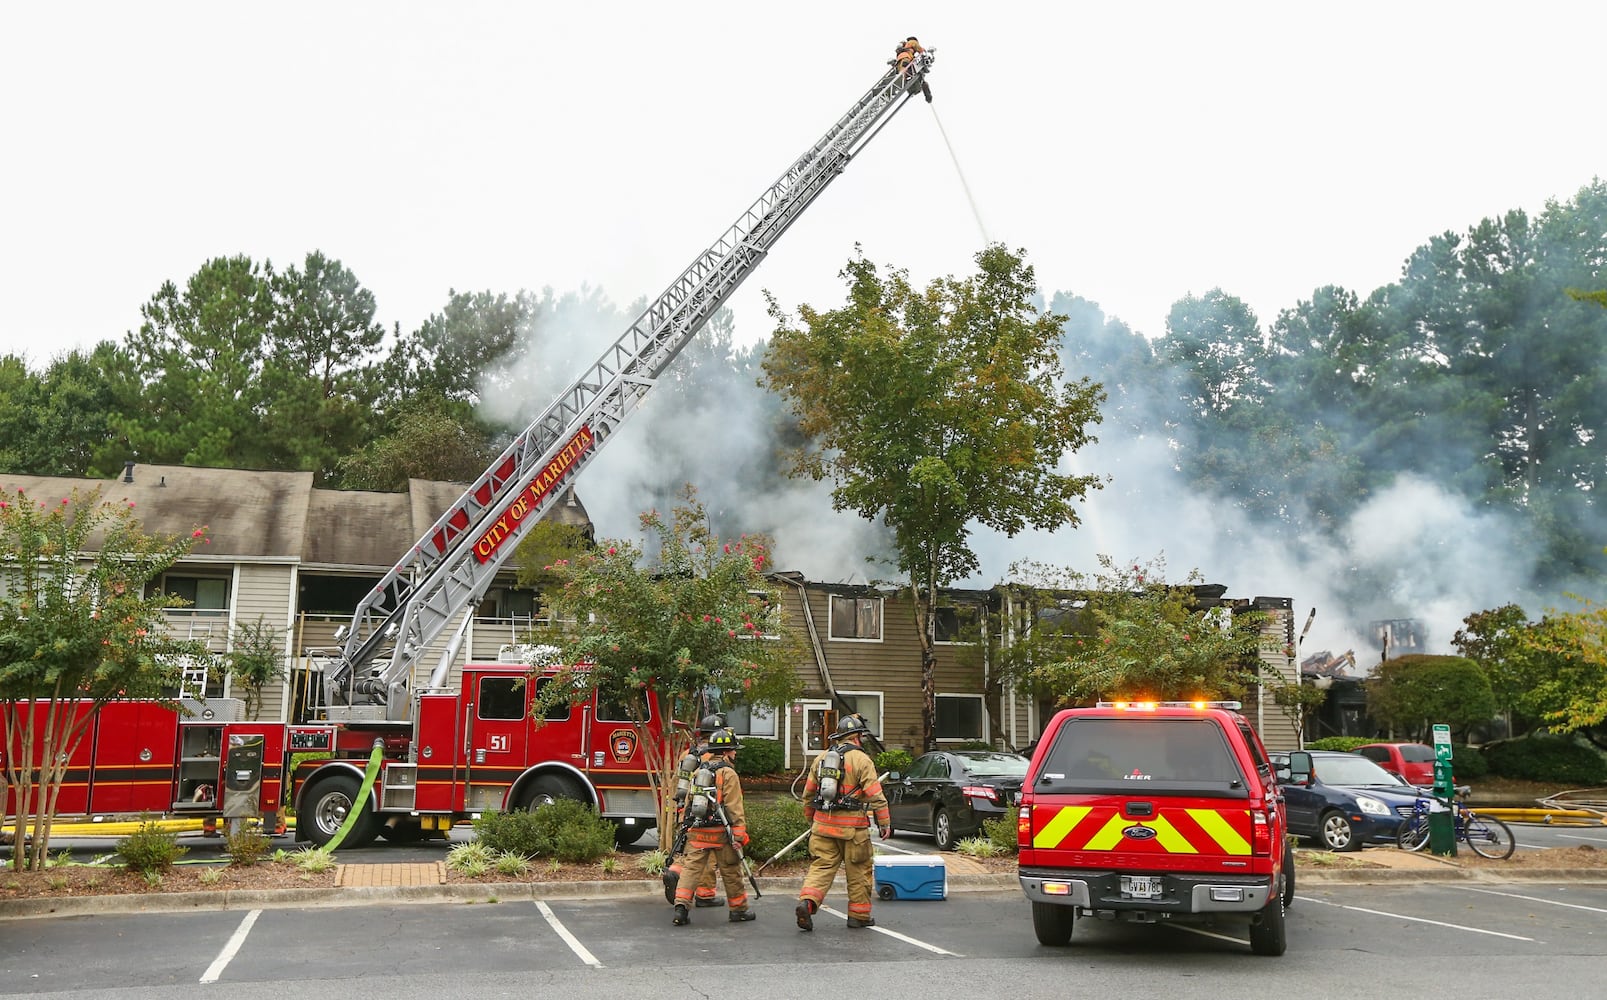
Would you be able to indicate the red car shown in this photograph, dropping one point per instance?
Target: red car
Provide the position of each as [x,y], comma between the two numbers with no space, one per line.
[1412,762]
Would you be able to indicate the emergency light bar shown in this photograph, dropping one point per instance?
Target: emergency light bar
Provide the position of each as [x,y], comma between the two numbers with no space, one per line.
[1150,706]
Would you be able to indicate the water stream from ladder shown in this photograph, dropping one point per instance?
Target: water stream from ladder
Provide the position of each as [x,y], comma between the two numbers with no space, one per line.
[970,198]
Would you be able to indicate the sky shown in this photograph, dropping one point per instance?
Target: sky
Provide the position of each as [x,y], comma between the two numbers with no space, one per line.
[1137,152]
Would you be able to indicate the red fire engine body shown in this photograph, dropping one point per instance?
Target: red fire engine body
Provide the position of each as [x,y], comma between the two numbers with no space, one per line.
[449,754]
[466,752]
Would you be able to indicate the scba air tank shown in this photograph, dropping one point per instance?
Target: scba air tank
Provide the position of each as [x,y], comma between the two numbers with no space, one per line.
[702,792]
[683,777]
[831,772]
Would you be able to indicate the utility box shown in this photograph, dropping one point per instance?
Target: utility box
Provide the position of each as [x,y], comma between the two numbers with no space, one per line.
[911,876]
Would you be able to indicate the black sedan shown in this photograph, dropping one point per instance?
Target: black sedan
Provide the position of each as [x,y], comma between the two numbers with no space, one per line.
[949,794]
[1342,800]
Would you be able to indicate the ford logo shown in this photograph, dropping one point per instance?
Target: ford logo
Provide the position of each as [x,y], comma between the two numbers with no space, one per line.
[1138,833]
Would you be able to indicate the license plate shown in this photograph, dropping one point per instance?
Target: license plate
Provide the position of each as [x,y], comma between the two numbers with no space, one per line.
[1141,886]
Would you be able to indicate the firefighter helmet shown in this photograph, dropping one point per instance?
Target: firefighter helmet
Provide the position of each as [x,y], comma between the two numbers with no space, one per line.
[711,723]
[723,740]
[851,725]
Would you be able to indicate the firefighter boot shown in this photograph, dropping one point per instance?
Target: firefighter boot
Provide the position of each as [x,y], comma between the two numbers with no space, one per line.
[855,922]
[709,901]
[806,918]
[672,878]
[682,917]
[740,916]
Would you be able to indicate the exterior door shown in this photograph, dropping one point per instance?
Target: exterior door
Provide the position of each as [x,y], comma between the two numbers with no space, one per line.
[497,732]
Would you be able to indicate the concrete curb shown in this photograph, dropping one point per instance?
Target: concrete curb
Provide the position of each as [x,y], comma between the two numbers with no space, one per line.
[495,893]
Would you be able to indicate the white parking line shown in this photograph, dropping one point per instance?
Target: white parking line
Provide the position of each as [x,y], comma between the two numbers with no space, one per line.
[1534,899]
[230,947]
[569,939]
[1421,920]
[1573,836]
[895,934]
[1535,847]
[901,850]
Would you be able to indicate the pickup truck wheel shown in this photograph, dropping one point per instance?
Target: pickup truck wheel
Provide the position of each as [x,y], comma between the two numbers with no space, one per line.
[1053,924]
[1288,876]
[1267,936]
[326,806]
[1336,833]
[943,829]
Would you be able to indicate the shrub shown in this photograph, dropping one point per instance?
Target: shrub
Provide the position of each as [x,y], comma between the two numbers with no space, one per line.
[1001,831]
[894,760]
[1468,763]
[512,864]
[567,830]
[979,847]
[468,856]
[1546,758]
[150,849]
[653,862]
[246,847]
[1343,744]
[772,824]
[759,756]
[314,859]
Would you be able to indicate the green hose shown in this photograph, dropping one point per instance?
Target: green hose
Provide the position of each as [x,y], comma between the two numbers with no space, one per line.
[362,797]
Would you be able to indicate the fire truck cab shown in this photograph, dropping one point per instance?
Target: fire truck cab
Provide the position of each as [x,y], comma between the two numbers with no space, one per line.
[1152,812]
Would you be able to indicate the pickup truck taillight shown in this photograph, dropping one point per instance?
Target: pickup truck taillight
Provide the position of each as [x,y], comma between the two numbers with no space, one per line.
[1024,825]
[1260,834]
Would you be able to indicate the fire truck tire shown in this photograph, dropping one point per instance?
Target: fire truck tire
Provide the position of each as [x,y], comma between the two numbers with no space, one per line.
[547,789]
[625,836]
[1267,936]
[326,806]
[1052,923]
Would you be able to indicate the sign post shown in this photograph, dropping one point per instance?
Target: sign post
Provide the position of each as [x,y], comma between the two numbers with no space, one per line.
[1441,824]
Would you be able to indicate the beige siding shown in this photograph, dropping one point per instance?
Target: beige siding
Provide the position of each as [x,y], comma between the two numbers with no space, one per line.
[1278,730]
[262,591]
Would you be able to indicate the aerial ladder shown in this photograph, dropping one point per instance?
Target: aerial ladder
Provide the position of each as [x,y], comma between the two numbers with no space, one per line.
[448,571]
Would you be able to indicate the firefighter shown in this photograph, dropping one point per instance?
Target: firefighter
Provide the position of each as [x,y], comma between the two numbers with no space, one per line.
[706,894]
[904,57]
[842,786]
[716,830]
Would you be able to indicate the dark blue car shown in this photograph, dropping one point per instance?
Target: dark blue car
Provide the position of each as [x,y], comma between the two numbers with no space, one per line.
[1342,800]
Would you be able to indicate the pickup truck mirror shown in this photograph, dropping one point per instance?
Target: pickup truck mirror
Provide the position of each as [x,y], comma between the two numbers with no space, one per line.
[1300,769]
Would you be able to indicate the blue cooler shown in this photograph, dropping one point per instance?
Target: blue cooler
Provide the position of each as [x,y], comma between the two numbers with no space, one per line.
[911,876]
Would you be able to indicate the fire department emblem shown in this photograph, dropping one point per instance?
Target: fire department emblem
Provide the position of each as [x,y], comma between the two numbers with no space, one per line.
[623,742]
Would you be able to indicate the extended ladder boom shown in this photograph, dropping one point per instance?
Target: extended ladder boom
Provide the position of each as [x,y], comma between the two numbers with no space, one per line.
[449,569]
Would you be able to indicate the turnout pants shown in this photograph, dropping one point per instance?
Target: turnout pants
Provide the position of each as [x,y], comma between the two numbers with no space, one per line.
[855,857]
[697,868]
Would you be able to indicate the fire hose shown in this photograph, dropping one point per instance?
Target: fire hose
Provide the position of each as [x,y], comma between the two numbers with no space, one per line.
[362,797]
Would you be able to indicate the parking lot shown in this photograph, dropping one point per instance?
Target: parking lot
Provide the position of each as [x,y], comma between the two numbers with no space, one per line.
[1408,934]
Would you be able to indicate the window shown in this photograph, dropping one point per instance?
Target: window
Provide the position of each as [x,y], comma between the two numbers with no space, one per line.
[957,624]
[765,614]
[868,706]
[204,595]
[959,717]
[508,603]
[501,698]
[558,712]
[856,618]
[932,766]
[751,720]
[616,710]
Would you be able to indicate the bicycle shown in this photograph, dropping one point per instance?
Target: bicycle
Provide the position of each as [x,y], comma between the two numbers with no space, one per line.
[1486,835]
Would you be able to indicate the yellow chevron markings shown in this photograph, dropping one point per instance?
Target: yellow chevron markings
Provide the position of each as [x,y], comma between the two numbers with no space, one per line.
[1213,823]
[1055,830]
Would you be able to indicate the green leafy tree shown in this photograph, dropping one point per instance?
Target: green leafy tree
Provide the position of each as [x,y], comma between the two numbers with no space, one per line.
[1411,693]
[935,411]
[1501,640]
[198,393]
[1573,697]
[546,544]
[255,659]
[429,438]
[320,377]
[76,629]
[1131,635]
[681,625]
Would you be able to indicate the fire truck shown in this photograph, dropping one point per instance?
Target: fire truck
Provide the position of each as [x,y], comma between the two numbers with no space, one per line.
[446,753]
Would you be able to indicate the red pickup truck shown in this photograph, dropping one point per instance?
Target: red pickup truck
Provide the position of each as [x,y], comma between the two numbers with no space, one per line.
[1154,812]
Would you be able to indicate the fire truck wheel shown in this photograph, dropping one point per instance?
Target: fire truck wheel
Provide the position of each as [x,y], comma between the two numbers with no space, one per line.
[625,836]
[327,805]
[547,789]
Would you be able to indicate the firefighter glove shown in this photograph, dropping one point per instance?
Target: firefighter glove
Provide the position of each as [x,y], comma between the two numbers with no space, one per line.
[885,831]
[739,834]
